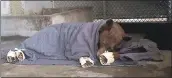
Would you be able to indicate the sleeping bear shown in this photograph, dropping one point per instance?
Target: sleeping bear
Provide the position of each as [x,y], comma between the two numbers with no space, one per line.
[85,43]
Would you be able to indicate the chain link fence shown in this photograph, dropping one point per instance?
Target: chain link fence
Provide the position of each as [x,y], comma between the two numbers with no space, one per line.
[123,10]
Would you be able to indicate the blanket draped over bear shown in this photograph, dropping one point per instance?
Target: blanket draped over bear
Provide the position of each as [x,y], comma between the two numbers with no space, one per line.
[62,44]
[65,43]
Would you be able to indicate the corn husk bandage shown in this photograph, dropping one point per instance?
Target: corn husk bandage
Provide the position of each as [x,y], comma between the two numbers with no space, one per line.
[109,56]
[11,54]
[18,52]
[84,59]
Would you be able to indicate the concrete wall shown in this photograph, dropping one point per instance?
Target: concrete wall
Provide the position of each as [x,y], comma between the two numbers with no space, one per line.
[29,25]
[35,7]
[22,25]
[78,15]
[5,8]
[97,6]
[24,7]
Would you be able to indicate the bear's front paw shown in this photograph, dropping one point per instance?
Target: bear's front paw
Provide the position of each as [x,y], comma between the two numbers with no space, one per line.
[16,55]
[86,62]
[106,58]
[20,54]
[12,57]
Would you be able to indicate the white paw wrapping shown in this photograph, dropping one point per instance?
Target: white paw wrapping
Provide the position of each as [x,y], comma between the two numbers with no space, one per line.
[11,54]
[109,56]
[18,52]
[83,60]
[15,54]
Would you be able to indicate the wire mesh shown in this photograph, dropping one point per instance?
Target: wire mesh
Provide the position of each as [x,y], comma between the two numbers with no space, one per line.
[138,11]
[125,10]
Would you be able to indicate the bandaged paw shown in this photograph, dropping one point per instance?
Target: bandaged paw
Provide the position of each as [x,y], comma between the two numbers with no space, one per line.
[16,55]
[86,62]
[11,57]
[20,54]
[106,58]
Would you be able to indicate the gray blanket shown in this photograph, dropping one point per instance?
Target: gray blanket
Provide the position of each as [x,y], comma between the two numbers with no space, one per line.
[62,44]
[131,52]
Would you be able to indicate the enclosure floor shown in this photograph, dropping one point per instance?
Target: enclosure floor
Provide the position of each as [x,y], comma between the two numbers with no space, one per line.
[152,69]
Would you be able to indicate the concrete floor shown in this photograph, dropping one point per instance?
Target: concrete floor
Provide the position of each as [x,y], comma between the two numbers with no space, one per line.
[151,69]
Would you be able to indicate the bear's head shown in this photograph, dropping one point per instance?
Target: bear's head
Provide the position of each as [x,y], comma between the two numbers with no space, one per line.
[111,34]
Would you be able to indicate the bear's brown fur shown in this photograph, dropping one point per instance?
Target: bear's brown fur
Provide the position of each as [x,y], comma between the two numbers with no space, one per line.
[110,36]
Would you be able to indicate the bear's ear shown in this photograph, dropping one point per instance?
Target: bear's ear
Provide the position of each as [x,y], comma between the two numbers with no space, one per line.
[109,22]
